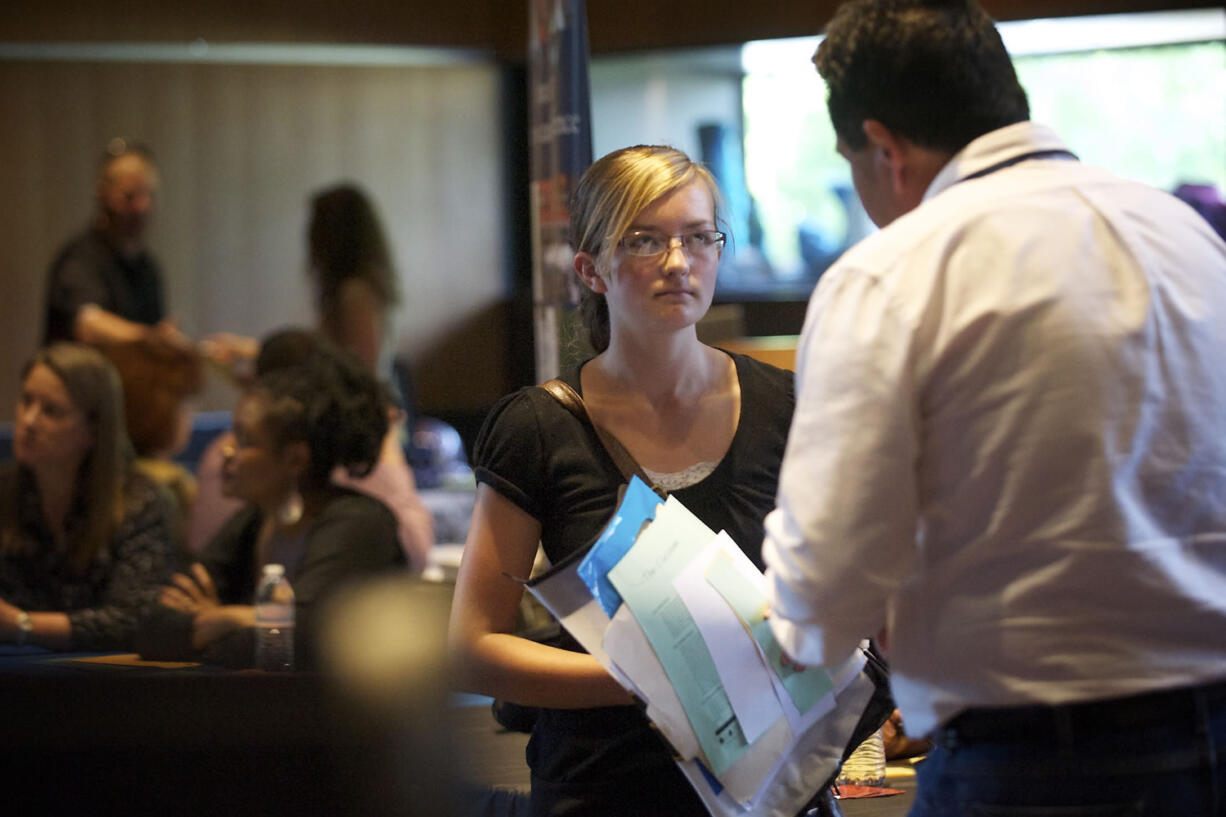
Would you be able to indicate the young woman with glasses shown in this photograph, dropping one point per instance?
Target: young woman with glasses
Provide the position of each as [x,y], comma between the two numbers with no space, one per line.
[708,426]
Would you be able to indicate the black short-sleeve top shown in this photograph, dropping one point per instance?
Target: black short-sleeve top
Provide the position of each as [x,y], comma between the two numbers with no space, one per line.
[535,453]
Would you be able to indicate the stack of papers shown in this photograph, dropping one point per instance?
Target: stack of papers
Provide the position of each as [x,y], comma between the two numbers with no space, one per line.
[677,614]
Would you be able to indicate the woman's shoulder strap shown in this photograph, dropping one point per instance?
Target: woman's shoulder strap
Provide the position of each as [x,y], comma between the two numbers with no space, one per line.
[565,394]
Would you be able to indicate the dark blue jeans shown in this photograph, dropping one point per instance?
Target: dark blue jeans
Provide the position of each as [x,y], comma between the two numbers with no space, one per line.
[1149,755]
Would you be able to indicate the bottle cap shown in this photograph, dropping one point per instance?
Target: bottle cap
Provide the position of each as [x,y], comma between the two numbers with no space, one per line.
[273,569]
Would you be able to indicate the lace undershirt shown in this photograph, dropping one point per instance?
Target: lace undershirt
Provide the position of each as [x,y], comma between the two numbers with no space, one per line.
[677,480]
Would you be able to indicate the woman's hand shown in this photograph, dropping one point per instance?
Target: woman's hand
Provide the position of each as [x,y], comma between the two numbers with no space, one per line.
[8,621]
[191,594]
[196,595]
[48,629]
[218,621]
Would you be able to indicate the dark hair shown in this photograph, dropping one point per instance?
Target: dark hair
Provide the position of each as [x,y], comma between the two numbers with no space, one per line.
[347,241]
[607,199]
[935,71]
[291,346]
[93,386]
[328,400]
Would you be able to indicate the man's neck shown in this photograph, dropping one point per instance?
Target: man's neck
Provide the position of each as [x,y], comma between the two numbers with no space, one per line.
[128,246]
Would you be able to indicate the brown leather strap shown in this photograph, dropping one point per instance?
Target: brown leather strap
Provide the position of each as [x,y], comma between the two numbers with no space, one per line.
[625,462]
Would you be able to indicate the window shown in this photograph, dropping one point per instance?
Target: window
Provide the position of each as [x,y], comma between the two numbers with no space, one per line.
[1141,94]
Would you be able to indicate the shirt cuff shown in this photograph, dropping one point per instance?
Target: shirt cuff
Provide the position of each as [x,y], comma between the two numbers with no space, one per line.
[805,640]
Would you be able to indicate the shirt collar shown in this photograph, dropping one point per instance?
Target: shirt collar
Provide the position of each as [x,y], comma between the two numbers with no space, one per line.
[997,146]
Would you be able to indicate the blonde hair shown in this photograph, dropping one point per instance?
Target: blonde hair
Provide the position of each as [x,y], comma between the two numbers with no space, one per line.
[94,388]
[607,200]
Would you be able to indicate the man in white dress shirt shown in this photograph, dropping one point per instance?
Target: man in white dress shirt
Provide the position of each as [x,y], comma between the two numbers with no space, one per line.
[1009,449]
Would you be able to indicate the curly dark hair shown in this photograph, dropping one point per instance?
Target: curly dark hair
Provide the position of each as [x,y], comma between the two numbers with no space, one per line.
[935,71]
[330,401]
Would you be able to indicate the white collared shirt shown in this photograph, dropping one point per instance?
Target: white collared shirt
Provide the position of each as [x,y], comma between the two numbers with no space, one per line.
[1010,434]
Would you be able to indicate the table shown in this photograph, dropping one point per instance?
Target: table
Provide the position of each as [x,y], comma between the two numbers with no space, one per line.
[102,734]
[899,775]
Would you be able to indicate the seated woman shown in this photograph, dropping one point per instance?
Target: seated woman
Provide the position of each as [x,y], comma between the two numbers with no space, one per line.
[290,431]
[390,480]
[85,540]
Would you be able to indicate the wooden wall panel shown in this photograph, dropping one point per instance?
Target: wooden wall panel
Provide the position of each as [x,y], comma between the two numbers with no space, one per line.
[496,26]
[241,148]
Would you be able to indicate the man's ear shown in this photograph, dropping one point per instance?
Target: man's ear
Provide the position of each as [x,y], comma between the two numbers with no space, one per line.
[908,167]
[890,152]
[585,268]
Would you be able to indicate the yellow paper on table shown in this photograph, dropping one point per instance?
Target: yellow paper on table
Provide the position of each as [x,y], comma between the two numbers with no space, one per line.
[134,660]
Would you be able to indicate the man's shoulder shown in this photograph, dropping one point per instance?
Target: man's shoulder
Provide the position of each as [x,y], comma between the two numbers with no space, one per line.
[85,248]
[86,241]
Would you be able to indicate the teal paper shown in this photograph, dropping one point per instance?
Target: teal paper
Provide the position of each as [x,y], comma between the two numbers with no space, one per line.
[805,687]
[644,578]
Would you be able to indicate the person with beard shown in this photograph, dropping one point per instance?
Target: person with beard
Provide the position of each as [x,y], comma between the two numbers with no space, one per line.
[104,287]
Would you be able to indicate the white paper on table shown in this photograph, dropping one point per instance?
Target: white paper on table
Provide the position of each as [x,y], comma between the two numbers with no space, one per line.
[746,677]
[626,645]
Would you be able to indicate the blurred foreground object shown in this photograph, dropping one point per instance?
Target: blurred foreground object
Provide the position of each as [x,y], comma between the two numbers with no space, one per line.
[382,648]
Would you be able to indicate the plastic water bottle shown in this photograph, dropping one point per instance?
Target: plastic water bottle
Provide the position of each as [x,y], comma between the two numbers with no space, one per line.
[866,765]
[274,621]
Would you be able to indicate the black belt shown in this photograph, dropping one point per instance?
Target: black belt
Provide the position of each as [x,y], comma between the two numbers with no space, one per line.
[1047,723]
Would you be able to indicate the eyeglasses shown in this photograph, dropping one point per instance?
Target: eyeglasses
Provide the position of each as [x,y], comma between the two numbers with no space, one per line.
[649,243]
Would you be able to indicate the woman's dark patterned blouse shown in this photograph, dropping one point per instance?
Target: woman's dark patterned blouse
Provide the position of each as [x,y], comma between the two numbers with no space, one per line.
[105,603]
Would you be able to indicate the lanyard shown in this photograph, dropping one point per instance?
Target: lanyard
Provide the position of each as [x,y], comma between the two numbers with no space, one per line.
[1036,154]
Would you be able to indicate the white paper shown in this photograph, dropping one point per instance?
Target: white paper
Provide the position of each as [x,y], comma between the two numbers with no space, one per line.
[804,759]
[644,579]
[738,660]
[627,646]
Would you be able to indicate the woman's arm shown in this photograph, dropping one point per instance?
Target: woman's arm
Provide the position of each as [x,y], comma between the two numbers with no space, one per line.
[50,630]
[486,657]
[142,561]
[215,623]
[358,321]
[190,616]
